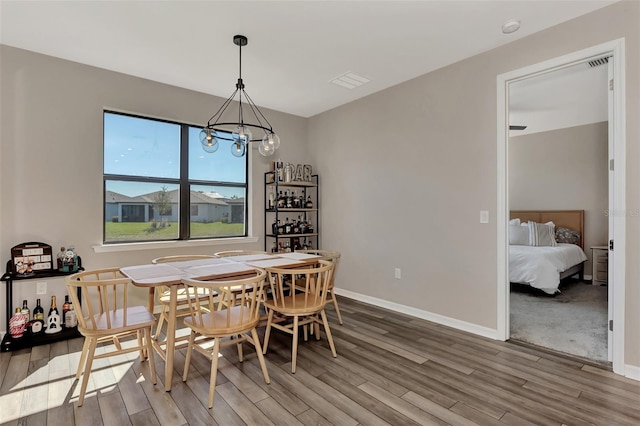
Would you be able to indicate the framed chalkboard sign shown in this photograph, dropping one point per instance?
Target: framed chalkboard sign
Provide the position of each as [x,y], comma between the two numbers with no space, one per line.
[28,259]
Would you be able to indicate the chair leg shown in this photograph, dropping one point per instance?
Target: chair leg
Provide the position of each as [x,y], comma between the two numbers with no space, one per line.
[187,361]
[140,344]
[160,323]
[316,325]
[267,332]
[335,305]
[83,357]
[263,365]
[214,371]
[294,345]
[328,331]
[152,359]
[239,345]
[87,369]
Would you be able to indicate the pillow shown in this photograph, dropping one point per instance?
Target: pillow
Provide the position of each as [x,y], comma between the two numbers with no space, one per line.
[515,221]
[542,234]
[567,236]
[518,235]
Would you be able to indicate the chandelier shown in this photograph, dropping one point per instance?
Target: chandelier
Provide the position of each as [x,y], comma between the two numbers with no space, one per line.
[211,134]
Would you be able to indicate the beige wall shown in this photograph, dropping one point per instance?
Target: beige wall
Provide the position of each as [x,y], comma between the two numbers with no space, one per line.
[564,169]
[51,156]
[406,171]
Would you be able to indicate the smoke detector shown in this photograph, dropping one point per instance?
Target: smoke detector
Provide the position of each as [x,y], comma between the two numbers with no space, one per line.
[510,26]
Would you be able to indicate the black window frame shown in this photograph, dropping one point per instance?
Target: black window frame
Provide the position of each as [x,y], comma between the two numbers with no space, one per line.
[183,182]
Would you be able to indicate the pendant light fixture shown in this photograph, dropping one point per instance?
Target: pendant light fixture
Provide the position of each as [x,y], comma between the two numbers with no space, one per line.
[241,136]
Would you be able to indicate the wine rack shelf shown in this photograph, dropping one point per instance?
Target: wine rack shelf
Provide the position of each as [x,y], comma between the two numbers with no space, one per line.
[27,341]
[308,191]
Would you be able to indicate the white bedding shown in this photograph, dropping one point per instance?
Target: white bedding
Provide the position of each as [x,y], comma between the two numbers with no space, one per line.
[540,267]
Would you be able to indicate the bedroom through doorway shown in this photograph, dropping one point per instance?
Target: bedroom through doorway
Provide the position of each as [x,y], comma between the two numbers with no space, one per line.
[559,162]
[557,155]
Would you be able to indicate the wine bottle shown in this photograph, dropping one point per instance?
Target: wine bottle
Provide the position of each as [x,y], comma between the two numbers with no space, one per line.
[65,309]
[70,318]
[271,199]
[287,226]
[38,312]
[53,319]
[25,311]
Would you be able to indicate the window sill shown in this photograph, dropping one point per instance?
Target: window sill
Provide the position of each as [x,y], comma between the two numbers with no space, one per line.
[154,245]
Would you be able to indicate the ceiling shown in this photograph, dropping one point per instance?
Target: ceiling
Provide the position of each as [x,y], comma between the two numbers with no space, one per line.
[295,47]
[572,96]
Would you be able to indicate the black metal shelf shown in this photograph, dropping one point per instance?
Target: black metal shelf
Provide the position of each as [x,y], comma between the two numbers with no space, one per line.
[309,189]
[27,341]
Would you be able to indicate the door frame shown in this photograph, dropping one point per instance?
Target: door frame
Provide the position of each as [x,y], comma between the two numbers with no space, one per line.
[616,48]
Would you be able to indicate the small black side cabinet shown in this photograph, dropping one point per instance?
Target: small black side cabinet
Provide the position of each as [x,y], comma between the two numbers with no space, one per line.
[27,341]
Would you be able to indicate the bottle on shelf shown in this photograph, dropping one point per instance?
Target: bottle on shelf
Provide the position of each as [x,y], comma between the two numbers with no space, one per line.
[296,226]
[17,324]
[25,310]
[288,199]
[272,199]
[275,227]
[38,312]
[70,318]
[309,203]
[280,171]
[65,309]
[287,226]
[281,201]
[53,319]
[274,248]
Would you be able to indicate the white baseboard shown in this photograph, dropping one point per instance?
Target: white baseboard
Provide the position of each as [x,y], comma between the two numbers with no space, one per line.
[632,372]
[429,316]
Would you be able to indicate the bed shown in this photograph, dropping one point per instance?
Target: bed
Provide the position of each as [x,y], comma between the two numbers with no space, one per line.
[543,267]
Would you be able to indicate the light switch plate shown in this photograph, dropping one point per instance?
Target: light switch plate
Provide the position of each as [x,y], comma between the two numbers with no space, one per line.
[484,216]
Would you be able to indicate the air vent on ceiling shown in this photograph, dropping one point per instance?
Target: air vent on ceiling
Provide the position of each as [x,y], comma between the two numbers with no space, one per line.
[597,62]
[349,80]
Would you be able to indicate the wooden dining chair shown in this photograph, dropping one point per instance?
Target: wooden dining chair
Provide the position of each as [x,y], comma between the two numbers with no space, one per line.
[163,293]
[234,323]
[105,315]
[334,257]
[233,253]
[304,306]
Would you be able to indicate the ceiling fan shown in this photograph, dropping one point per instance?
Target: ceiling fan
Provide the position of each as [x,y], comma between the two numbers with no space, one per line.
[516,127]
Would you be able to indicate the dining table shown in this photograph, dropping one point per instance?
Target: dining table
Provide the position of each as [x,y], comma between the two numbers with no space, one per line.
[170,274]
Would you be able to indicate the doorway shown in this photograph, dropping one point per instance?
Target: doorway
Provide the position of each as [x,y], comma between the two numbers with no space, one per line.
[616,203]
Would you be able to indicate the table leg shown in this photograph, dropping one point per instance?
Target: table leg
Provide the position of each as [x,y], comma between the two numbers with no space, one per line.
[151,299]
[150,306]
[171,338]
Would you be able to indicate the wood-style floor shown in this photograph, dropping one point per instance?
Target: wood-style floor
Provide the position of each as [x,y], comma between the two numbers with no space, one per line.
[391,369]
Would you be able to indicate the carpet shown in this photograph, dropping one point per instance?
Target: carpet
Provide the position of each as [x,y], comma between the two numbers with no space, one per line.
[573,322]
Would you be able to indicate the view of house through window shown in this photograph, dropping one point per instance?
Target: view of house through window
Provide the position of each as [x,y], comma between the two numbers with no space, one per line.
[149,197]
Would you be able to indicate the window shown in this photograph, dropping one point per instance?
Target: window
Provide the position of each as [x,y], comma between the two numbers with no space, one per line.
[159,184]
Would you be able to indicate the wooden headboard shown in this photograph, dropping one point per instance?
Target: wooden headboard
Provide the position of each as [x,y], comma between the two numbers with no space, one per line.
[572,219]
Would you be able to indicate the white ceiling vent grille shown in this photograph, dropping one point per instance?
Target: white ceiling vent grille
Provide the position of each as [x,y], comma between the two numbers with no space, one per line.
[597,62]
[349,80]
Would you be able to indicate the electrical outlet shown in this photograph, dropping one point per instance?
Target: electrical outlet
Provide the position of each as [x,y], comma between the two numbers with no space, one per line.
[484,216]
[41,287]
[398,273]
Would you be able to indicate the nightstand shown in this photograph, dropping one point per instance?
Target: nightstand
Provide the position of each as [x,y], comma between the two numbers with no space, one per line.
[600,265]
